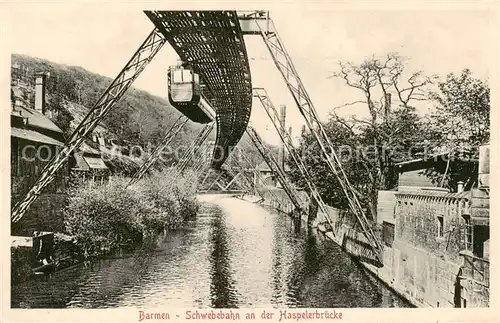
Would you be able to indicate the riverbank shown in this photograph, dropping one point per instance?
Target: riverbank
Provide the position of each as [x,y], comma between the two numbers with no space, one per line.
[234,254]
[320,223]
[380,273]
[105,220]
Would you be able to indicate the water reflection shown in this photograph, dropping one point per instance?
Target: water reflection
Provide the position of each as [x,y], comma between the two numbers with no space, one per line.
[222,291]
[234,254]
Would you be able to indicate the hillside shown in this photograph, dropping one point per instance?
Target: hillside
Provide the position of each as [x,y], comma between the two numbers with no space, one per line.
[139,118]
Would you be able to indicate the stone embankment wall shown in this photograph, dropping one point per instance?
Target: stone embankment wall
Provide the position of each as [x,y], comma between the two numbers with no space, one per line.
[278,199]
[429,271]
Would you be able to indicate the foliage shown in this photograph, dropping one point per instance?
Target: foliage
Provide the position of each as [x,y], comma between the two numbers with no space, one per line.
[21,263]
[138,118]
[105,217]
[462,112]
[62,117]
[393,132]
[370,147]
[459,126]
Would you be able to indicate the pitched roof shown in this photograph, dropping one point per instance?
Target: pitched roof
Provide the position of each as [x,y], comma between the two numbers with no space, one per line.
[34,136]
[80,162]
[36,119]
[95,163]
[86,148]
[87,162]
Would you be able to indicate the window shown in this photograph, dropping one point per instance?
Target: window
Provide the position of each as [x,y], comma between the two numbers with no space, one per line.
[481,233]
[187,76]
[177,75]
[388,233]
[440,225]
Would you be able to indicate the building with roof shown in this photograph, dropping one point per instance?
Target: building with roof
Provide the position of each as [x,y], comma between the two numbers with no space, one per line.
[269,178]
[436,240]
[35,140]
[88,165]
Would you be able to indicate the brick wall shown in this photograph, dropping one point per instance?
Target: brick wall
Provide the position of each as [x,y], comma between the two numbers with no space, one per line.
[417,222]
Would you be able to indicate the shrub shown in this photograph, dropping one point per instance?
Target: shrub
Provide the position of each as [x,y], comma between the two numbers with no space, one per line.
[105,217]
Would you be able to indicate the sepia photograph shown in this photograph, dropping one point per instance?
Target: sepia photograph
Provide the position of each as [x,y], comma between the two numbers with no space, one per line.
[300,160]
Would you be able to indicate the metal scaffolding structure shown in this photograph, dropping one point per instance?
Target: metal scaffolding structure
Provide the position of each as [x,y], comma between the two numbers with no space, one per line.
[285,137]
[194,149]
[257,175]
[212,42]
[274,166]
[171,133]
[141,58]
[264,26]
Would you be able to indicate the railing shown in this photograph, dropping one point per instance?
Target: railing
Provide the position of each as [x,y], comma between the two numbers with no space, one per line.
[475,268]
[442,202]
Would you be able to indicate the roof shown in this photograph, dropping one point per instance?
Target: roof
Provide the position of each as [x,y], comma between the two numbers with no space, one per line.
[36,119]
[95,163]
[87,149]
[80,162]
[87,162]
[34,136]
[432,160]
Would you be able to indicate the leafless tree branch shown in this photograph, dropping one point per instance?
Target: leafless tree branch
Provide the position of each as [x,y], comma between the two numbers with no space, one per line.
[348,104]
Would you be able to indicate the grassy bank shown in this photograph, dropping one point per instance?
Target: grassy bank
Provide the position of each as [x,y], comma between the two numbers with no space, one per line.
[107,217]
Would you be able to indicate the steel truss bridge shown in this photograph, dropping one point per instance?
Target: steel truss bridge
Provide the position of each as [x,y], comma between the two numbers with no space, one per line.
[213,43]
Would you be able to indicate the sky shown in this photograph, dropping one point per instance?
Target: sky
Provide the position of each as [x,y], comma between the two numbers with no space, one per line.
[102,39]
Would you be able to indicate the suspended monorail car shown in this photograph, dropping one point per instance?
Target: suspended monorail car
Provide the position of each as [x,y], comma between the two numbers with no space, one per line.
[184,93]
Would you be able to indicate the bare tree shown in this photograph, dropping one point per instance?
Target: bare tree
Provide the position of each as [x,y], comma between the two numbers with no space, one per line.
[379,80]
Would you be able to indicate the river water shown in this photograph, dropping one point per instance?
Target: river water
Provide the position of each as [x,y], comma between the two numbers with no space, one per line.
[235,254]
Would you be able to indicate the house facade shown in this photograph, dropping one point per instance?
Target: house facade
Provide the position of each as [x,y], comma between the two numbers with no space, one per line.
[34,141]
[436,242]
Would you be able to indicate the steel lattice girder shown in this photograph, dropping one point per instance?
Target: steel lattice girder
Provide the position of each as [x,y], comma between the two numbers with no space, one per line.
[212,42]
[274,166]
[156,154]
[285,137]
[141,58]
[291,77]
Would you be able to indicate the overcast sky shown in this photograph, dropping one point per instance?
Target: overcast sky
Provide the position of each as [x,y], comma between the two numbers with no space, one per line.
[102,40]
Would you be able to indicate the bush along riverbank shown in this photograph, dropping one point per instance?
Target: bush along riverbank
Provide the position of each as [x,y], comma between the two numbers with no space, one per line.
[105,220]
[110,217]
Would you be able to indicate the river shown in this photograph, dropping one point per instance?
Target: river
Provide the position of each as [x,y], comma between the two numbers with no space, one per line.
[235,254]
